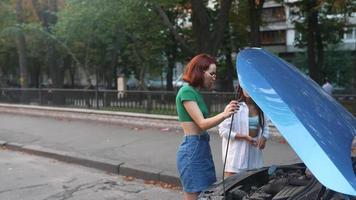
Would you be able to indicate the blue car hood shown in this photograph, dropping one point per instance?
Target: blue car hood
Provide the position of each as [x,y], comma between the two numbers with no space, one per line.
[316,126]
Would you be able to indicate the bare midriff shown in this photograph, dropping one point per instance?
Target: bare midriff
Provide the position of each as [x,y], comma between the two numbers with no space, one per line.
[252,133]
[190,128]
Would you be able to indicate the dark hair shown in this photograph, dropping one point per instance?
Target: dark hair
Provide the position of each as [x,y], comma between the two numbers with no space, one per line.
[241,98]
[194,71]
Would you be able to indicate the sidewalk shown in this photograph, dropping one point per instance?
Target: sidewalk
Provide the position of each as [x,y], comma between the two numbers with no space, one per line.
[142,120]
[137,145]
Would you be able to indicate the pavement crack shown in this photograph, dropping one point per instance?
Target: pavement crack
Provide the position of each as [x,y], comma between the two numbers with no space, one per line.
[132,142]
[70,191]
[22,188]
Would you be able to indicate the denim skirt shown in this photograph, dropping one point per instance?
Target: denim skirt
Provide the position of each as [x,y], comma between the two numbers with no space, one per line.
[195,163]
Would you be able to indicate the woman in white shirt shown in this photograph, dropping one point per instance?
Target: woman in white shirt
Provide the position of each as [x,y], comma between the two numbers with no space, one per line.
[248,136]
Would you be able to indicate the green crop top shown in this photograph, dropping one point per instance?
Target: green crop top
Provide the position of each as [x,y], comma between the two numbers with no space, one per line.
[188,93]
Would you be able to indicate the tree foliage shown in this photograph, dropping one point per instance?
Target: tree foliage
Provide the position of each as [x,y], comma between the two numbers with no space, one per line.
[320,24]
[66,40]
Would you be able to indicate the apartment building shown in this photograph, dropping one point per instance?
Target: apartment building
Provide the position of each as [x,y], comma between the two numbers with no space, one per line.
[278,32]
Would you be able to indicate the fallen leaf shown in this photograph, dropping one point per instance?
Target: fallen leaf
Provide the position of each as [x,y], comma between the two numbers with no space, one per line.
[149,182]
[128,178]
[165,129]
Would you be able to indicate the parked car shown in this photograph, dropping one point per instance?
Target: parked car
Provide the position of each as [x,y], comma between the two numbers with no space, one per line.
[315,125]
[178,82]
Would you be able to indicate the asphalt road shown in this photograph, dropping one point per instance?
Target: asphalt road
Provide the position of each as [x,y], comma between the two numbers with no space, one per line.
[28,177]
[144,148]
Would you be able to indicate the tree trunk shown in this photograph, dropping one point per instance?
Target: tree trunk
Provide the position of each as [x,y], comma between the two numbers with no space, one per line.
[354,72]
[320,57]
[230,71]
[114,59]
[209,41]
[255,7]
[169,76]
[312,21]
[228,79]
[48,18]
[71,69]
[67,65]
[171,57]
[142,65]
[200,21]
[35,73]
[21,47]
[178,38]
[56,71]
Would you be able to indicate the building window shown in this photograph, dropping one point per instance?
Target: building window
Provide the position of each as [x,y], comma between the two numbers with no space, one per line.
[349,33]
[273,14]
[273,37]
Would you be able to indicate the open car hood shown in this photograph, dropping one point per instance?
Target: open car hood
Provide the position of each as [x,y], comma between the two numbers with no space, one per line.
[316,126]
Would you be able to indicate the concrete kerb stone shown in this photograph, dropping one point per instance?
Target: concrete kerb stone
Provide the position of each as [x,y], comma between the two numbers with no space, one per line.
[105,165]
[140,172]
[2,143]
[147,173]
[14,146]
[100,164]
[167,177]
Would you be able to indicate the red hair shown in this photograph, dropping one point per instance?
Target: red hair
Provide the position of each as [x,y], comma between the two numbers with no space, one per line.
[194,71]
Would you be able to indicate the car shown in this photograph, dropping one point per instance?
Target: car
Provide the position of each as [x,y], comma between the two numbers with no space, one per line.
[132,83]
[178,82]
[315,125]
[292,182]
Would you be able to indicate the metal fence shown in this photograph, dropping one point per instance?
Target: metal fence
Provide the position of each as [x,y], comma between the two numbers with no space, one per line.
[155,102]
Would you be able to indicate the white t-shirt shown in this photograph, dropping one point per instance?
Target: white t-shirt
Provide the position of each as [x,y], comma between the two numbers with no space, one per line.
[328,88]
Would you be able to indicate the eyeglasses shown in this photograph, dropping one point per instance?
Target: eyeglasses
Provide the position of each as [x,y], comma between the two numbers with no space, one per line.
[212,74]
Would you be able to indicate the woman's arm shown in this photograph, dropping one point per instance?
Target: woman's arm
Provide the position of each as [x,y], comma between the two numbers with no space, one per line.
[193,110]
[261,144]
[224,128]
[266,129]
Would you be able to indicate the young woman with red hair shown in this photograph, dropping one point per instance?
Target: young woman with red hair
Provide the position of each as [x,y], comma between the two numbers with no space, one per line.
[194,160]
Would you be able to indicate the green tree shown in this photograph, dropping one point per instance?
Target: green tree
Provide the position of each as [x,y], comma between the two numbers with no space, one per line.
[255,13]
[21,45]
[236,37]
[208,23]
[16,15]
[318,30]
[46,12]
[107,35]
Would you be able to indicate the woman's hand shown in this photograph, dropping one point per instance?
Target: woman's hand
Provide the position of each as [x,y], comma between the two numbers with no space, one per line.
[261,143]
[250,140]
[230,109]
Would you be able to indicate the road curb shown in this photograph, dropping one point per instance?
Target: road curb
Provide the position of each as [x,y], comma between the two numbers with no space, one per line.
[145,173]
[2,143]
[108,166]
